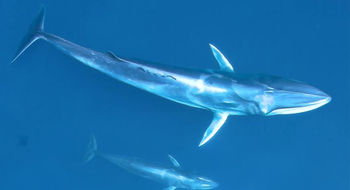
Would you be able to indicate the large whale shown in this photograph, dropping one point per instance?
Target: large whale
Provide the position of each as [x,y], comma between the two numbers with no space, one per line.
[223,91]
[173,177]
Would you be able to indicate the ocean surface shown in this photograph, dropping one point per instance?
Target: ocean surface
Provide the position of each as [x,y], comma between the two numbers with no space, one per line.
[50,104]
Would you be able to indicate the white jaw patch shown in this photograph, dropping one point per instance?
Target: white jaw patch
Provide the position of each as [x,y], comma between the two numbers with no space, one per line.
[265,102]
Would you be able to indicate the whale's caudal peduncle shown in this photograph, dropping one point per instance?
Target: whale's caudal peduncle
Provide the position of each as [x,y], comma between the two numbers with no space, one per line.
[223,91]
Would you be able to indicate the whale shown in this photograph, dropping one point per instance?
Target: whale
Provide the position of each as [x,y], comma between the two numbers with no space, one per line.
[222,91]
[174,176]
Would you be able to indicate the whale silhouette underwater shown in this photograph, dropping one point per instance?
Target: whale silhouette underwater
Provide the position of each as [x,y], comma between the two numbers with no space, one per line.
[224,91]
[173,177]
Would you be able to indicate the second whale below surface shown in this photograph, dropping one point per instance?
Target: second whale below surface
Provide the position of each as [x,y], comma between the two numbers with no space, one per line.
[222,91]
[173,177]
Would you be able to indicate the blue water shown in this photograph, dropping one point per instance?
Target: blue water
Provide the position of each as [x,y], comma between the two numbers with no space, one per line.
[50,103]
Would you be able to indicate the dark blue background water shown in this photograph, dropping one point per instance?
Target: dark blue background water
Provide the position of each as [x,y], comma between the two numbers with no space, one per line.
[50,103]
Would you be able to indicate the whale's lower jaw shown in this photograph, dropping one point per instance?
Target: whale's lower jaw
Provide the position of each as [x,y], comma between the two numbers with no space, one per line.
[295,110]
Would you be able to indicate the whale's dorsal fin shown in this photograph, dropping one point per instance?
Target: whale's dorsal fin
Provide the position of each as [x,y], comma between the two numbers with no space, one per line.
[170,188]
[174,161]
[217,122]
[111,54]
[224,64]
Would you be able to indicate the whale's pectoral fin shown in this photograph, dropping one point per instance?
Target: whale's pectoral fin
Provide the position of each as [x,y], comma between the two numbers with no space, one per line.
[170,188]
[224,64]
[174,161]
[218,120]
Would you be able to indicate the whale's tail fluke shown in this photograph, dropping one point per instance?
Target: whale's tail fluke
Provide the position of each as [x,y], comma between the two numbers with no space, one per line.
[92,150]
[34,33]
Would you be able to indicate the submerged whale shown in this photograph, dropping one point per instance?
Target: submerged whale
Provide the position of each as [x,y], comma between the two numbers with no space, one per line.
[223,91]
[173,177]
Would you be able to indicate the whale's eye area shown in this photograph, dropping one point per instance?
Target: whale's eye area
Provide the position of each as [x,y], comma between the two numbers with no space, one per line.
[265,102]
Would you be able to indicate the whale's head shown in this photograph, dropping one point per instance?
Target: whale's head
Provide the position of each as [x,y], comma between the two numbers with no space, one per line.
[276,96]
[203,183]
[285,96]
